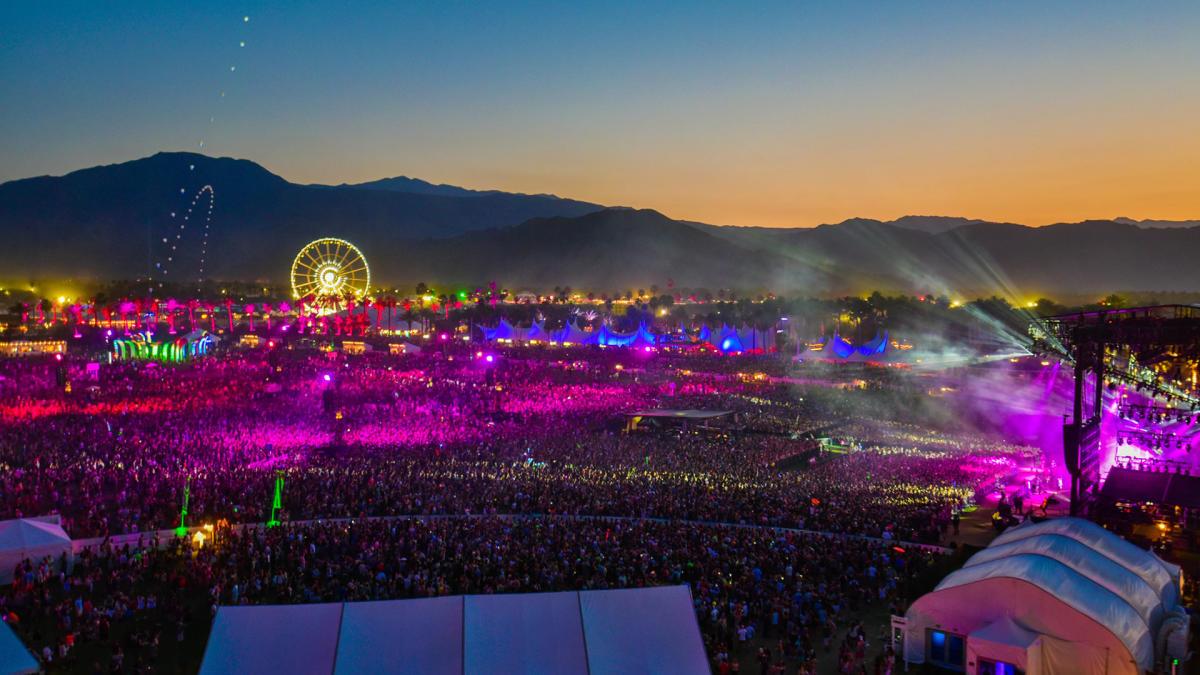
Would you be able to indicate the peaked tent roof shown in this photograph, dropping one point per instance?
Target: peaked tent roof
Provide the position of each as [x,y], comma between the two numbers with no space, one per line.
[14,657]
[31,533]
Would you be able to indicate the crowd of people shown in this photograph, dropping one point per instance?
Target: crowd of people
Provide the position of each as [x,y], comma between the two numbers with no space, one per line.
[469,474]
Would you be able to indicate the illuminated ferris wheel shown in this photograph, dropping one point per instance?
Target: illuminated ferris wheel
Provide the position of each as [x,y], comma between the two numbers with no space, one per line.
[331,271]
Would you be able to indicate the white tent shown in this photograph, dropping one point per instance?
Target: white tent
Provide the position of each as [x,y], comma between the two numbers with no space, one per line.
[651,630]
[648,630]
[15,659]
[1047,598]
[294,639]
[32,538]
[426,635]
[1003,641]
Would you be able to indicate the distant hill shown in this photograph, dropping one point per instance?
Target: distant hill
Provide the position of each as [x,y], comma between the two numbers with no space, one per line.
[111,222]
[1155,224]
[1076,258]
[608,250]
[417,186]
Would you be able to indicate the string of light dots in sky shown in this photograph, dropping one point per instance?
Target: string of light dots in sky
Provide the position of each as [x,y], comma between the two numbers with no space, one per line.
[171,246]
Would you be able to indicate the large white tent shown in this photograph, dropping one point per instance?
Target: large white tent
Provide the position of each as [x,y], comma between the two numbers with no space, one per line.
[32,538]
[650,630]
[1048,598]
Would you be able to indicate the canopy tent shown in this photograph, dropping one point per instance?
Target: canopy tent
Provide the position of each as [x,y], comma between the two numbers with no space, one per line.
[425,634]
[533,632]
[32,538]
[730,339]
[665,416]
[296,639]
[601,632]
[404,348]
[537,331]
[15,659]
[573,334]
[1079,589]
[642,337]
[647,630]
[503,331]
[1004,641]
[839,348]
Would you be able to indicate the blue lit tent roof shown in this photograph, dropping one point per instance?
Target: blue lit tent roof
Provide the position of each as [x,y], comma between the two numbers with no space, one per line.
[753,339]
[840,348]
[572,333]
[537,331]
[589,632]
[14,657]
[876,346]
[639,338]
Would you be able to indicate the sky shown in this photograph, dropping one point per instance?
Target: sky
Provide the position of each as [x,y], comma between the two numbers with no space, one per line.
[785,114]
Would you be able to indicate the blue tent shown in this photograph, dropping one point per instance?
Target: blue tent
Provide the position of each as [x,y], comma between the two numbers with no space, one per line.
[14,657]
[573,334]
[645,630]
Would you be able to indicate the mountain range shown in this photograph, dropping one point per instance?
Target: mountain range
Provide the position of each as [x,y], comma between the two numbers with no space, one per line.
[120,221]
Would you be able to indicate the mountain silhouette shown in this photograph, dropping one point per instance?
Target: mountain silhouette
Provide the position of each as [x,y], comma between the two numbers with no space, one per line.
[110,222]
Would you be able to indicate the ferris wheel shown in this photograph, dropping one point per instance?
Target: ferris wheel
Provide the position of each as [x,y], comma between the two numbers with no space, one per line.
[331,270]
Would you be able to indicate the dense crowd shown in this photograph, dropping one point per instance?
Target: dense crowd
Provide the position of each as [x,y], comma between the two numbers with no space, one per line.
[793,591]
[452,433]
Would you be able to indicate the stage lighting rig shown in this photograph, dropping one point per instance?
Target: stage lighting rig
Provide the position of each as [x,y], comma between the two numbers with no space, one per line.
[1158,414]
[1156,441]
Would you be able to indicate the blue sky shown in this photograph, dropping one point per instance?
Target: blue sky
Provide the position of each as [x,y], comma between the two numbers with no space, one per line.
[741,113]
